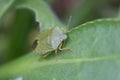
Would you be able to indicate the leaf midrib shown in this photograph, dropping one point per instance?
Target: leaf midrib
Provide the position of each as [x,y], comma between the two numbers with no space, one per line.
[52,62]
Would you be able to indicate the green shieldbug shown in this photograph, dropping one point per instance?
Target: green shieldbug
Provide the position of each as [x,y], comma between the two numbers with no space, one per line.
[49,40]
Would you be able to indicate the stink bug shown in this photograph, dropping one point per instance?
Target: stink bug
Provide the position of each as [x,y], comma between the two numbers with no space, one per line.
[50,40]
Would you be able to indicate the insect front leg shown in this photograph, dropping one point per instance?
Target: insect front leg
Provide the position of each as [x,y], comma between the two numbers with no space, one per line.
[62,49]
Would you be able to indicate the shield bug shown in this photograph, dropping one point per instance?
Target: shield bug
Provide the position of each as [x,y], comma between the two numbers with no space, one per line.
[50,40]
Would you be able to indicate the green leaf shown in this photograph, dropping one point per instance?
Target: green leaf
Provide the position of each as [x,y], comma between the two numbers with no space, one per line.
[86,11]
[95,55]
[43,13]
[4,5]
[23,23]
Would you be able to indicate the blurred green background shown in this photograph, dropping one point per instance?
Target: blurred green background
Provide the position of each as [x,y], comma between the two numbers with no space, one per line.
[18,27]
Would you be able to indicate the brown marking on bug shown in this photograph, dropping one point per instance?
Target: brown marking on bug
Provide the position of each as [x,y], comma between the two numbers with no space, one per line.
[34,45]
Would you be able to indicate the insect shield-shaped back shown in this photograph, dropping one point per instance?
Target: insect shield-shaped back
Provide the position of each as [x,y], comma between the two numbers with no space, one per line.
[49,40]
[57,37]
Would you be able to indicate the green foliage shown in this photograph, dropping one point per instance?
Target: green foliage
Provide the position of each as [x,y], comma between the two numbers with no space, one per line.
[4,5]
[86,11]
[43,13]
[94,56]
[23,23]
[95,53]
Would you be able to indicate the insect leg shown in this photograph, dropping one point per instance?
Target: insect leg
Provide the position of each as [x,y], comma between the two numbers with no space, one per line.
[62,49]
[44,55]
[56,53]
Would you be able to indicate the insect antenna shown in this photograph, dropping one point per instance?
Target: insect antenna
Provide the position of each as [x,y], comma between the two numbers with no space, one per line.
[68,23]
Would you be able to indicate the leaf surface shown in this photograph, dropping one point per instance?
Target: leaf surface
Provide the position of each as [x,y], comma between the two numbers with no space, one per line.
[4,5]
[44,14]
[95,55]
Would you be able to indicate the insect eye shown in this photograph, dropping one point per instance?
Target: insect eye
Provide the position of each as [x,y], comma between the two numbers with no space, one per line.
[34,45]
